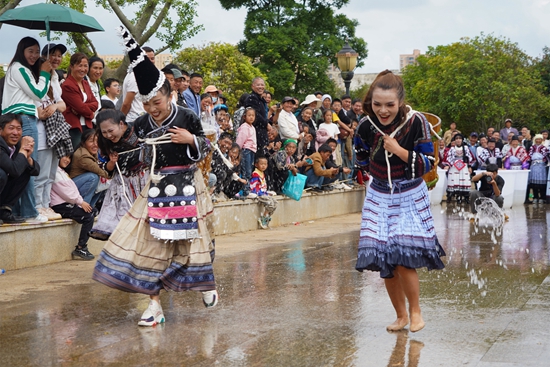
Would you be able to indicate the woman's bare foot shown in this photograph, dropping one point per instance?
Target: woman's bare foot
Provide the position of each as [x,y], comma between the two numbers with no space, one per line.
[398,324]
[417,323]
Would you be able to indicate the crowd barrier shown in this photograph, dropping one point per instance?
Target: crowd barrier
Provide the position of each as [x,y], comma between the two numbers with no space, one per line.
[514,190]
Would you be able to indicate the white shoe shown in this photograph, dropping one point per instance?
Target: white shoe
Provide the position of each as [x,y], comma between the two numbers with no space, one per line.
[38,219]
[252,196]
[210,298]
[153,315]
[49,213]
[345,187]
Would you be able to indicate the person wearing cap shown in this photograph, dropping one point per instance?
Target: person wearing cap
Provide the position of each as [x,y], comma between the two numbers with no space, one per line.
[287,122]
[482,145]
[448,136]
[53,134]
[315,104]
[171,74]
[538,154]
[516,158]
[507,129]
[221,114]
[27,81]
[165,241]
[326,103]
[459,160]
[214,93]
[132,107]
[491,154]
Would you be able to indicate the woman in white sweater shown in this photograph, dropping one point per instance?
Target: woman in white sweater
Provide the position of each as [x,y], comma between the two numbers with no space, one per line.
[27,82]
[66,200]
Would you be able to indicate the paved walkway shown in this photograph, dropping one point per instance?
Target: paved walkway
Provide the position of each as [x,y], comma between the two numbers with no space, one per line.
[291,297]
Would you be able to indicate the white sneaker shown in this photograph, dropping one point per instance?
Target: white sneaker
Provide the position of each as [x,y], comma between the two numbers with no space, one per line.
[38,219]
[49,213]
[153,315]
[337,186]
[345,187]
[210,298]
[252,196]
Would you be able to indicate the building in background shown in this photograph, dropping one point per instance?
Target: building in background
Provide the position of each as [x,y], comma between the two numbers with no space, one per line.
[357,81]
[161,60]
[405,60]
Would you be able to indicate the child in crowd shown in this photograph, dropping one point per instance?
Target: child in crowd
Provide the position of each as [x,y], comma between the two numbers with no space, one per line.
[258,186]
[246,138]
[67,201]
[234,183]
[329,125]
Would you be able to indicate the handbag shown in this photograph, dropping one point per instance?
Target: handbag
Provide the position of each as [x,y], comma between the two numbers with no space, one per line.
[294,186]
[103,184]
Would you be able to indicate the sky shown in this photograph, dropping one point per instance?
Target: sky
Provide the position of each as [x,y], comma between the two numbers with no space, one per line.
[390,27]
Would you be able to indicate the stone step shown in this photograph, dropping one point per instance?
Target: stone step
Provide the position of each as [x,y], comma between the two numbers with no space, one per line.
[26,245]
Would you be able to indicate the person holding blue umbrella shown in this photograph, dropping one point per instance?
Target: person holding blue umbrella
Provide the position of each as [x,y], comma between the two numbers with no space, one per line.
[27,82]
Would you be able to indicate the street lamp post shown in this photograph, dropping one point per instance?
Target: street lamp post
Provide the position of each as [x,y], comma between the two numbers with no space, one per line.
[347,61]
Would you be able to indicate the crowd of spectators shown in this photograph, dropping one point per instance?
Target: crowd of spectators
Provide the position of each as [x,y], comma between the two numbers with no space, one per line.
[464,160]
[52,132]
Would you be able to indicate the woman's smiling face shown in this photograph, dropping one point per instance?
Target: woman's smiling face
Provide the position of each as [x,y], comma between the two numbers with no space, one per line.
[385,104]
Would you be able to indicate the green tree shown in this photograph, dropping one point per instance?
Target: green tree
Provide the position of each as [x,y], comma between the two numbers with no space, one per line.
[543,67]
[294,41]
[222,65]
[360,92]
[6,5]
[478,83]
[171,21]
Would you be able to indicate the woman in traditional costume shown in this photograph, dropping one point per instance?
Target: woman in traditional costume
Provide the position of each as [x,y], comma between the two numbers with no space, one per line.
[459,159]
[397,229]
[537,175]
[165,240]
[118,140]
[516,158]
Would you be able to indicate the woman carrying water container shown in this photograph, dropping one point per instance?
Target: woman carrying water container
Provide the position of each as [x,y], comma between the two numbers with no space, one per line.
[397,230]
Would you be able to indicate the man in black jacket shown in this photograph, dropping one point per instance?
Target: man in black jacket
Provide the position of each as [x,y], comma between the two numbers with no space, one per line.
[16,165]
[258,103]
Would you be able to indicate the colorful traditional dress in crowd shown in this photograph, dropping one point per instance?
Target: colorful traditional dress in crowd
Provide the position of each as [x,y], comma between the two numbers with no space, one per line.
[281,160]
[459,158]
[397,227]
[123,189]
[537,174]
[516,158]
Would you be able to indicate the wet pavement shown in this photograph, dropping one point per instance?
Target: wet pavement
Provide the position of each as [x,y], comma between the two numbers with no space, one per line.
[301,303]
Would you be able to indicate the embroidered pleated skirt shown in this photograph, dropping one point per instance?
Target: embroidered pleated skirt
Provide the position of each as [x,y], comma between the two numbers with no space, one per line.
[133,260]
[398,229]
